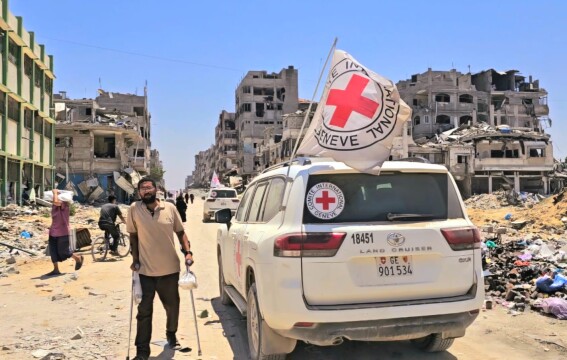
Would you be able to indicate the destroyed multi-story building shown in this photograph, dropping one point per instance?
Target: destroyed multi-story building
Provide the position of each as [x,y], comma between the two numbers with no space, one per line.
[102,145]
[487,128]
[261,101]
[26,143]
[226,144]
[188,182]
[204,167]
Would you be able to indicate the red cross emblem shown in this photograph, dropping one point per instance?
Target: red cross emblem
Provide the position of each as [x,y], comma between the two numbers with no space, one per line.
[382,260]
[349,100]
[238,258]
[325,200]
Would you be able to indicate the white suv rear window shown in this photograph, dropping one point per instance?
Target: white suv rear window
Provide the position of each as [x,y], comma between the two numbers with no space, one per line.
[222,194]
[387,197]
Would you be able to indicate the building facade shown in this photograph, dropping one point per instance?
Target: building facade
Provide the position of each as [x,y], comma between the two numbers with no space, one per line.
[487,128]
[102,145]
[261,101]
[226,144]
[27,123]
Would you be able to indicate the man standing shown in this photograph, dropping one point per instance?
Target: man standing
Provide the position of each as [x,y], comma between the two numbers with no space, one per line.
[152,224]
[186,198]
[107,220]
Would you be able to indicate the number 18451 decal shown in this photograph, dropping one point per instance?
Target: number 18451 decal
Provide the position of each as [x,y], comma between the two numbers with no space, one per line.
[362,238]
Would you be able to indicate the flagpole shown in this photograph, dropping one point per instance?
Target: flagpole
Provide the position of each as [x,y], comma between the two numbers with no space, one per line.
[312,99]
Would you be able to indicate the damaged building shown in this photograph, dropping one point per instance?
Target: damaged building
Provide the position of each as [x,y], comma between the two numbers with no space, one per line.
[226,144]
[26,89]
[261,101]
[102,145]
[487,128]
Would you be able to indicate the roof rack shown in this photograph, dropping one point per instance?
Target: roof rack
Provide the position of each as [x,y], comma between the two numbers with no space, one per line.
[301,161]
[417,159]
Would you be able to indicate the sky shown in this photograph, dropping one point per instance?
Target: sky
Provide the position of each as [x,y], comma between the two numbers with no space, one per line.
[193,54]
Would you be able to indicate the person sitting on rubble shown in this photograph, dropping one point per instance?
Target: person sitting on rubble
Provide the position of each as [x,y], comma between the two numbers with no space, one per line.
[25,197]
[551,281]
[107,221]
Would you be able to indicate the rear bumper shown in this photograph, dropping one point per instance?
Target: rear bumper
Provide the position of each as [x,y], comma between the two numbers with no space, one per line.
[211,212]
[324,334]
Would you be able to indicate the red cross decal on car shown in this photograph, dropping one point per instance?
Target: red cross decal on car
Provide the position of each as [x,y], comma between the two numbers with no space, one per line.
[325,200]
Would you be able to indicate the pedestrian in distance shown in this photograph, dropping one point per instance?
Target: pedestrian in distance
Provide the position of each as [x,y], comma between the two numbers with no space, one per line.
[186,198]
[192,197]
[59,246]
[107,221]
[181,208]
[152,224]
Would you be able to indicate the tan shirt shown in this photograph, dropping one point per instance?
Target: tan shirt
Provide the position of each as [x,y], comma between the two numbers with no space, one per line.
[158,245]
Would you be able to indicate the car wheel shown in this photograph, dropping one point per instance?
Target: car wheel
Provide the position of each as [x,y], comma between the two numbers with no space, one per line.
[224,298]
[254,328]
[433,343]
[206,218]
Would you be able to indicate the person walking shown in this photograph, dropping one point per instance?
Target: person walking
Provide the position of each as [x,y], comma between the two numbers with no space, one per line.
[181,208]
[186,198]
[59,247]
[152,224]
[192,197]
[107,221]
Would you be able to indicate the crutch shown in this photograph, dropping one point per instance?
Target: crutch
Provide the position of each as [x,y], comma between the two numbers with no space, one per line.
[131,309]
[195,318]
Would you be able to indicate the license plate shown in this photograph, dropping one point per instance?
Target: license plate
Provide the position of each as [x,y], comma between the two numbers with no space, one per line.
[223,203]
[394,266]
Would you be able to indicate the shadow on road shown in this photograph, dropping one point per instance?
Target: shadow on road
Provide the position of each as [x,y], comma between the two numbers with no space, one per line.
[234,326]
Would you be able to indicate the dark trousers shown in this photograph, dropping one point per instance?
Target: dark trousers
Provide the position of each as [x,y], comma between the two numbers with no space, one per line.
[167,289]
[113,230]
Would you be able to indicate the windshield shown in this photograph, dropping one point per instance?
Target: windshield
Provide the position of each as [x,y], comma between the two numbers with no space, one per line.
[221,194]
[341,198]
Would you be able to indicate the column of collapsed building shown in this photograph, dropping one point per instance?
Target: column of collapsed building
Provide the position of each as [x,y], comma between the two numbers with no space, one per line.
[488,128]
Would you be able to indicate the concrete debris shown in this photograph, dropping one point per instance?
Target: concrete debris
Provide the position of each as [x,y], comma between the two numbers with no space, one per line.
[60,297]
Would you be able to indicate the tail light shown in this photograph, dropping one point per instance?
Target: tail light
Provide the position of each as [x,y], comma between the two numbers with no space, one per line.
[211,200]
[462,238]
[308,244]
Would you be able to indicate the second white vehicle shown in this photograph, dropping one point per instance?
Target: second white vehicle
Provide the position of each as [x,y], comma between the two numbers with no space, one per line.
[220,198]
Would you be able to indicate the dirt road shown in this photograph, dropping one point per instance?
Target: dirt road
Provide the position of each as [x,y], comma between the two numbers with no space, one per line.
[85,316]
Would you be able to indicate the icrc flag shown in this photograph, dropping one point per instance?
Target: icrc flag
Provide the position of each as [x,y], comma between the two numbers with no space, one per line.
[215,183]
[359,116]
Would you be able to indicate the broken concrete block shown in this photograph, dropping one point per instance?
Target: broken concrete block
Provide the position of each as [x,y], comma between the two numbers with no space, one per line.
[77,336]
[11,260]
[60,297]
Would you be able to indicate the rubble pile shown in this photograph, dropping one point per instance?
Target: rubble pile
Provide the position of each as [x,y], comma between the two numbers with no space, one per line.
[512,269]
[496,200]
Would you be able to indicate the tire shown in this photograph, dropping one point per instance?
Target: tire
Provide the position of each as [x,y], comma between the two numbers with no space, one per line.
[99,249]
[433,343]
[123,246]
[206,218]
[254,328]
[224,298]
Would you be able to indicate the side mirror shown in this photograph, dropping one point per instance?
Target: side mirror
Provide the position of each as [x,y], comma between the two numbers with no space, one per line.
[223,216]
[202,198]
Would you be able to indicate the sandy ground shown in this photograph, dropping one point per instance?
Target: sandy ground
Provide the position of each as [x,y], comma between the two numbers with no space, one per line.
[99,305]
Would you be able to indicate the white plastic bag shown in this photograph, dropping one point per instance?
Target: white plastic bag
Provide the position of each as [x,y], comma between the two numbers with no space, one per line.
[62,195]
[137,287]
[188,280]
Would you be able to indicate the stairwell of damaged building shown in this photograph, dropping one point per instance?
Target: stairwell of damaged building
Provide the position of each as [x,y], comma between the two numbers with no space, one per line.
[103,145]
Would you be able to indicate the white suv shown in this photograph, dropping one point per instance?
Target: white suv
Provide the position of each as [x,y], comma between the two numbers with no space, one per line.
[219,198]
[319,252]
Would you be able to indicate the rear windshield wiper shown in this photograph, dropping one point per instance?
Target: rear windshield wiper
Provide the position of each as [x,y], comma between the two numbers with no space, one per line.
[392,216]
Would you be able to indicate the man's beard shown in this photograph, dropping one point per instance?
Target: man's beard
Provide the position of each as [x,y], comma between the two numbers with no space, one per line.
[149,199]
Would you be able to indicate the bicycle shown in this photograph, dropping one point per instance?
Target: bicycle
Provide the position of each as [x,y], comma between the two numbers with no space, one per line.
[101,245]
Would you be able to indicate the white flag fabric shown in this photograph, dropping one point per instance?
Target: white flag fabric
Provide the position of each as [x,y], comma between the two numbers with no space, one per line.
[215,183]
[359,116]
